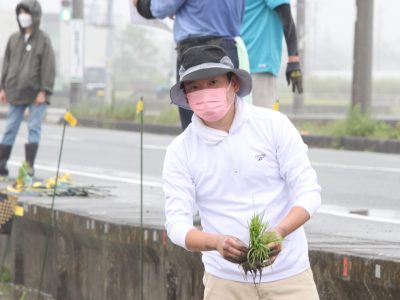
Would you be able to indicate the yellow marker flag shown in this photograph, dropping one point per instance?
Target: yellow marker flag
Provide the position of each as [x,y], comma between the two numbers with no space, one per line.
[66,178]
[19,211]
[19,185]
[50,183]
[37,185]
[70,119]
[275,106]
[139,106]
[11,189]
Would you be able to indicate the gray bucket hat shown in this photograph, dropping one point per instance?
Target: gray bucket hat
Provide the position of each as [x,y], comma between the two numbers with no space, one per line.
[201,62]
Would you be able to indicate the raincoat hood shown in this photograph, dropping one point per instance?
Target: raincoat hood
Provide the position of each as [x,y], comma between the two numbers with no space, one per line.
[33,6]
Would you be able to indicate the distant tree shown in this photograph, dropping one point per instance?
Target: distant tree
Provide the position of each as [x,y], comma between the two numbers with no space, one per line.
[138,60]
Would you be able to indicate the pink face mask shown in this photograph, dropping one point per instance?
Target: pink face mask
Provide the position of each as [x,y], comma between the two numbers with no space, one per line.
[210,105]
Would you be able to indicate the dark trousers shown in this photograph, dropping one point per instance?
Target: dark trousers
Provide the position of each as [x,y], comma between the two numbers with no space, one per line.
[228,45]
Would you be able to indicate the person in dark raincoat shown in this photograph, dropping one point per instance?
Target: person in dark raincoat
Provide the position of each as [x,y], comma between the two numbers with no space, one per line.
[27,81]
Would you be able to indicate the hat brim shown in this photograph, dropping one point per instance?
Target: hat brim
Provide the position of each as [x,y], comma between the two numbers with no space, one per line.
[177,93]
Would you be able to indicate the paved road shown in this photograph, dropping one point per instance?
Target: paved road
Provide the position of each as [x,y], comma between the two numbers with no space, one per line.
[361,191]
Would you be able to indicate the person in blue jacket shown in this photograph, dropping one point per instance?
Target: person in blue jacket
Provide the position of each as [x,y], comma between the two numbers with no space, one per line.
[198,22]
[264,25]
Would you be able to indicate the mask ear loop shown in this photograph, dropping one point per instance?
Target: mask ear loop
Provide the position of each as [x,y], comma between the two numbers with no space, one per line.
[226,93]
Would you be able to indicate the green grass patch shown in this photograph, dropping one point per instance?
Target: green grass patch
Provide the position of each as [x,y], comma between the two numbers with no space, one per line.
[355,124]
[5,276]
[169,116]
[120,111]
[126,111]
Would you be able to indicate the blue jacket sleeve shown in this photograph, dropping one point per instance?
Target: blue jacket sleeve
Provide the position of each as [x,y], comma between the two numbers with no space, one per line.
[164,8]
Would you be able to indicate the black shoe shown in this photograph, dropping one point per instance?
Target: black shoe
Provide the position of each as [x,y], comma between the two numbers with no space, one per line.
[4,172]
[5,151]
[30,155]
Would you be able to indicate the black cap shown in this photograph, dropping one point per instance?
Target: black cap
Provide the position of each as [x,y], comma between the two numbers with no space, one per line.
[201,62]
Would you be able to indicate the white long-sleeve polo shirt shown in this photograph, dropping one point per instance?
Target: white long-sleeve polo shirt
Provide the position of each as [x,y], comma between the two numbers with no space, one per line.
[260,166]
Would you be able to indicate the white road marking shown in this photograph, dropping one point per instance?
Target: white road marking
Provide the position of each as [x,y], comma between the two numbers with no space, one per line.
[126,179]
[52,139]
[336,213]
[355,167]
[154,147]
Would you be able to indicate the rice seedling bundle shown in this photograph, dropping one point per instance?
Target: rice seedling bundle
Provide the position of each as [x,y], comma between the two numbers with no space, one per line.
[258,255]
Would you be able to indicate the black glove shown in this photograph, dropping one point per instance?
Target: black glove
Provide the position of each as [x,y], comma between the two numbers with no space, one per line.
[293,75]
[143,8]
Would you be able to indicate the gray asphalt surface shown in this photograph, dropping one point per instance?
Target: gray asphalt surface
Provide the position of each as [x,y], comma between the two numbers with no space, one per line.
[361,191]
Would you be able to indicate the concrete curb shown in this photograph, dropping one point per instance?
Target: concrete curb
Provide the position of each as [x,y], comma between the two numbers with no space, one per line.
[353,143]
[317,141]
[92,259]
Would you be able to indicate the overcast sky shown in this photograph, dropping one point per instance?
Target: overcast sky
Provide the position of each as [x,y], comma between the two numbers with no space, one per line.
[121,7]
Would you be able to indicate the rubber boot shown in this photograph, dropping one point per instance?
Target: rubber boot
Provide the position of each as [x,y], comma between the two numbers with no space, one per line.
[30,155]
[5,151]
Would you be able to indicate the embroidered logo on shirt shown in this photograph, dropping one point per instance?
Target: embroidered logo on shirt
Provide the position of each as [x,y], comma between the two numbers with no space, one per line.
[260,156]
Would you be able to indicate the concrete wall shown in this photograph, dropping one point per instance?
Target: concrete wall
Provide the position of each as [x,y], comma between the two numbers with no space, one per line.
[95,260]
[343,277]
[90,259]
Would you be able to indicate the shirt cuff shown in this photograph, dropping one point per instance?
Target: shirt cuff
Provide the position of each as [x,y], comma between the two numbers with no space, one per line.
[177,233]
[310,201]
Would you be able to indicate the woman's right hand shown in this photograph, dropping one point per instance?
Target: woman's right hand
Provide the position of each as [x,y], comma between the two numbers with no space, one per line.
[232,249]
[3,97]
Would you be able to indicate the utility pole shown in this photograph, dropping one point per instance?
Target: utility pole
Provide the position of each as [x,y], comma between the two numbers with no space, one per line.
[109,54]
[362,67]
[298,102]
[77,52]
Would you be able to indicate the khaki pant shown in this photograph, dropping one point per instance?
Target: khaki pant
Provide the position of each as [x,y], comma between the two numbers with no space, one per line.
[298,287]
[264,89]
